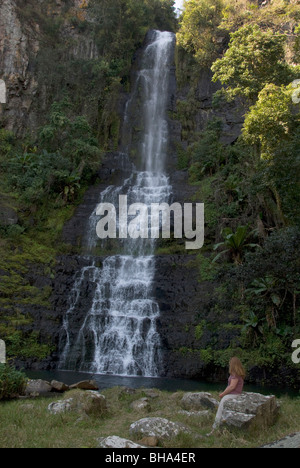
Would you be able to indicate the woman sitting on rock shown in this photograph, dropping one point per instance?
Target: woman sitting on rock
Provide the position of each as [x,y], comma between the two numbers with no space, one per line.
[235,387]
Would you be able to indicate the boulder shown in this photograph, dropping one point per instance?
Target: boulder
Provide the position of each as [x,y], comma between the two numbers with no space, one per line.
[251,410]
[141,405]
[160,428]
[291,441]
[198,401]
[151,393]
[116,442]
[87,402]
[85,385]
[60,407]
[37,387]
[59,387]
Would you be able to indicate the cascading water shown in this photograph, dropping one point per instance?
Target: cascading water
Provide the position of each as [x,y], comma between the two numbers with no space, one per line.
[118,335]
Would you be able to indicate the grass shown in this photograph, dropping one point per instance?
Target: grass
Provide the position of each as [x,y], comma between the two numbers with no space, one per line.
[28,424]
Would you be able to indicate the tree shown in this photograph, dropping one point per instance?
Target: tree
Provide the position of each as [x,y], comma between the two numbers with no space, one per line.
[208,153]
[272,126]
[199,29]
[72,136]
[270,120]
[235,243]
[254,58]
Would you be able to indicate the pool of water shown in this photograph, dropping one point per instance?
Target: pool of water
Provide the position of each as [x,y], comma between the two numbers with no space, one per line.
[170,385]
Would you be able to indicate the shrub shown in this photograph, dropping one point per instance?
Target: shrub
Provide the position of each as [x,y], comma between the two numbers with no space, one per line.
[12,382]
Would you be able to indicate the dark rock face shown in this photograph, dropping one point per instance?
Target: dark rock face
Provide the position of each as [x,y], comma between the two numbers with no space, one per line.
[115,168]
[21,42]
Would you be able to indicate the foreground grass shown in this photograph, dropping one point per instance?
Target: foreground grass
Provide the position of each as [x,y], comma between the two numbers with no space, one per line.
[28,424]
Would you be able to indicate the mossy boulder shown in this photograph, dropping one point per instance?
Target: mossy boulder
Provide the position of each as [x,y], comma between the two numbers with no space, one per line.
[90,403]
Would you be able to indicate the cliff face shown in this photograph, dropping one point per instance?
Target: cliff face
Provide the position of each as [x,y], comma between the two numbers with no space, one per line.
[184,301]
[19,44]
[25,39]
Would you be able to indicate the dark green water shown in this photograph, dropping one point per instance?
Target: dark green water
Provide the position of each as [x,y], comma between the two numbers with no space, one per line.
[170,385]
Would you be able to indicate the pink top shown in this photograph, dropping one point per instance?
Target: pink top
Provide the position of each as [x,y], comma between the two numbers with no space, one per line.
[239,388]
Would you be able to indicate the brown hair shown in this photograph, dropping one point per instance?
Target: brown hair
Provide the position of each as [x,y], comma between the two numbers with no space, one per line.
[236,368]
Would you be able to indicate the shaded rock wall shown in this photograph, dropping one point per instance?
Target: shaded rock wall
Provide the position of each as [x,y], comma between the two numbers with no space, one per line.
[19,44]
[22,39]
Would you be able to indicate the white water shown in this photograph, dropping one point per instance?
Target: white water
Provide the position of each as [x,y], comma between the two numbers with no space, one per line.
[119,333]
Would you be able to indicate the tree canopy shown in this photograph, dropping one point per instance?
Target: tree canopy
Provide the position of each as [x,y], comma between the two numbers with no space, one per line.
[253,59]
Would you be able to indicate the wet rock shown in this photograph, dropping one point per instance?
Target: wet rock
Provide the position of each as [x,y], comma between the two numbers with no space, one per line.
[59,386]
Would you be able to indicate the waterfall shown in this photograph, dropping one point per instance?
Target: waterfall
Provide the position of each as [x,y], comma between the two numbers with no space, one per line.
[118,335]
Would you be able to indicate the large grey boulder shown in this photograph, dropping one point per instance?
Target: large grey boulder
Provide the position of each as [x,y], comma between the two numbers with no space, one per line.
[59,387]
[37,387]
[160,428]
[198,401]
[251,410]
[60,407]
[291,441]
[88,402]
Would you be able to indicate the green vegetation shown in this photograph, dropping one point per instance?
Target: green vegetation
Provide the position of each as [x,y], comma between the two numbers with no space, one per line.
[250,186]
[29,424]
[198,29]
[235,243]
[253,59]
[12,382]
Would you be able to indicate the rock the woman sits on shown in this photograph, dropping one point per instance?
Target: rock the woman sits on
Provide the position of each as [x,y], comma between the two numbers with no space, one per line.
[234,388]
